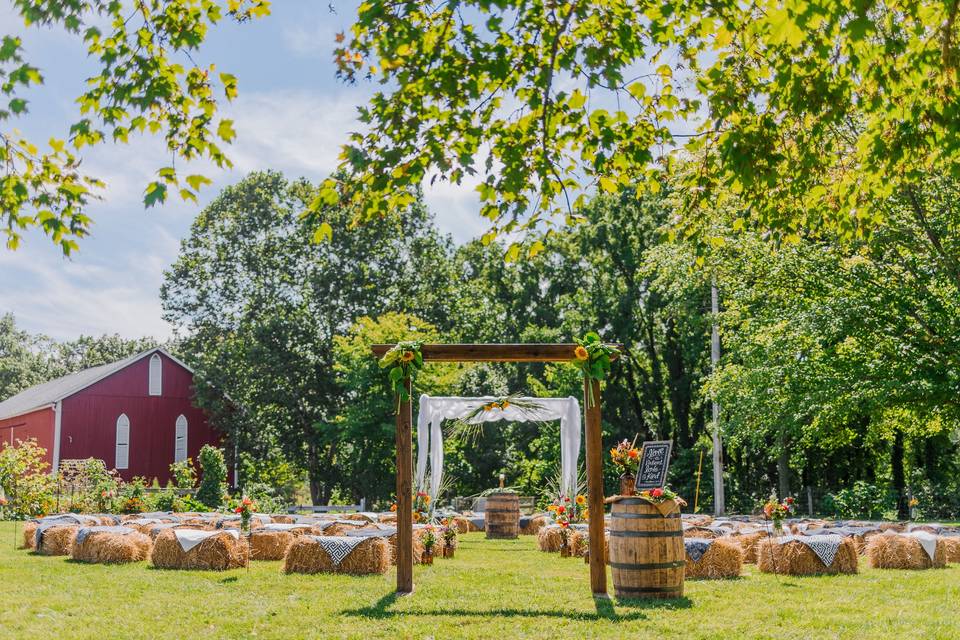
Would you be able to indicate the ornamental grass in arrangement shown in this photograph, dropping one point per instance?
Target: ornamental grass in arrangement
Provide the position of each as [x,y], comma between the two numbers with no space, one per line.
[217,553]
[307,555]
[724,559]
[105,547]
[797,559]
[893,551]
[58,540]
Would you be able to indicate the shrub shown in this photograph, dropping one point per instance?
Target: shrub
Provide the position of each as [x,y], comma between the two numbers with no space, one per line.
[24,480]
[213,479]
[184,474]
[862,500]
[132,496]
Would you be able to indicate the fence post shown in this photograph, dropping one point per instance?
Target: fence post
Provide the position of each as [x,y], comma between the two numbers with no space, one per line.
[810,501]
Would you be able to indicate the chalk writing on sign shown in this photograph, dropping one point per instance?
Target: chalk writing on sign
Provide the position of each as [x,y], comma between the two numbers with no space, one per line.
[654,464]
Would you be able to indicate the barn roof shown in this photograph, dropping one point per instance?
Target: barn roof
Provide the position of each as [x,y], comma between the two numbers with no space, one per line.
[47,393]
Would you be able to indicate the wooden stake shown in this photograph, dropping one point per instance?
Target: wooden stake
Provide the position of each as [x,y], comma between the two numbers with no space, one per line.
[405,496]
[696,497]
[594,447]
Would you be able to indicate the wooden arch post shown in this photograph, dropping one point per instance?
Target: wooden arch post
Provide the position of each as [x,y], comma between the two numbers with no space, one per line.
[498,353]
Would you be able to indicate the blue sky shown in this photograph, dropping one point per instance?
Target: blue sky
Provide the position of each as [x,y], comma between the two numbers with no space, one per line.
[292,115]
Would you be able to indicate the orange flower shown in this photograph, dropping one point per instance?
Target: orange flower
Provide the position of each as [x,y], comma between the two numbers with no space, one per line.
[581,353]
[633,453]
[504,404]
[393,507]
[406,356]
[426,499]
[416,516]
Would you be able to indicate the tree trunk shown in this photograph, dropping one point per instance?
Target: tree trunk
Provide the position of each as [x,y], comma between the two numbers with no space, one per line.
[899,479]
[783,469]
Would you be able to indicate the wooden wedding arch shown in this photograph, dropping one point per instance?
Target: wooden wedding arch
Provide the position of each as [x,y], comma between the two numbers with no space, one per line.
[498,353]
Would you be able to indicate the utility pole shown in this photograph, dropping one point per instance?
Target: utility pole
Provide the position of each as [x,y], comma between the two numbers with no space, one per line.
[719,508]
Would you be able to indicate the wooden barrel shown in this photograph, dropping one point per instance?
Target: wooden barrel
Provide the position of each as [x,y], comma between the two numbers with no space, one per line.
[647,554]
[503,515]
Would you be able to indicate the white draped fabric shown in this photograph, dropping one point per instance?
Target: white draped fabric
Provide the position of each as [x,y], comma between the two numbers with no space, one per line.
[434,410]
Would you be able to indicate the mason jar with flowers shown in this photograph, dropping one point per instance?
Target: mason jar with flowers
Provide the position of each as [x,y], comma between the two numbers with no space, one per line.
[449,533]
[429,540]
[245,509]
[625,456]
[777,511]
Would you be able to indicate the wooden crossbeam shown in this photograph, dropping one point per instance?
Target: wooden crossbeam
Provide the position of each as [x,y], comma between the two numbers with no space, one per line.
[528,352]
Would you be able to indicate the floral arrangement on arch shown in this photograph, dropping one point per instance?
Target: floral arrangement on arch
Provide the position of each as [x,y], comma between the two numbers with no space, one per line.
[593,358]
[777,511]
[402,360]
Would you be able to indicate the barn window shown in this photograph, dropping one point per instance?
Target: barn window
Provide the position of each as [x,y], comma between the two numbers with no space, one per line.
[123,442]
[180,447]
[156,375]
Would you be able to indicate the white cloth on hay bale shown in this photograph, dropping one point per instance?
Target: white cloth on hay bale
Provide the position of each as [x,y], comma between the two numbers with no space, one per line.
[824,546]
[189,538]
[86,531]
[434,410]
[339,547]
[276,526]
[927,540]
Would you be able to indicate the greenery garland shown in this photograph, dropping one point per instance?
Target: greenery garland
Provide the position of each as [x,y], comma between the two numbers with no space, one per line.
[593,358]
[403,360]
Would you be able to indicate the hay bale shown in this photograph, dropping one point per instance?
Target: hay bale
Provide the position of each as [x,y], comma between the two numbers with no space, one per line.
[284,519]
[338,528]
[106,547]
[269,545]
[580,544]
[701,532]
[219,553]
[29,535]
[549,539]
[893,551]
[58,540]
[724,559]
[305,555]
[951,546]
[797,559]
[154,530]
[533,526]
[749,545]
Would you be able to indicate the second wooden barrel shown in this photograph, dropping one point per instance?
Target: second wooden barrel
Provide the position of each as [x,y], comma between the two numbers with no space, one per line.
[647,554]
[503,515]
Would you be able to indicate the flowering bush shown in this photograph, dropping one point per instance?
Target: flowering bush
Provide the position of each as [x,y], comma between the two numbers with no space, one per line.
[625,456]
[24,480]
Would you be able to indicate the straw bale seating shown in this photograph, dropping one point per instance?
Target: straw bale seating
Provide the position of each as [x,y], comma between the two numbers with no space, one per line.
[111,545]
[907,551]
[272,541]
[549,538]
[338,554]
[713,558]
[55,539]
[217,550]
[793,555]
[750,544]
[531,525]
[951,546]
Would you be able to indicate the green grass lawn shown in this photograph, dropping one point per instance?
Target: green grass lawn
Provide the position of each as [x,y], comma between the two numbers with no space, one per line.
[496,590]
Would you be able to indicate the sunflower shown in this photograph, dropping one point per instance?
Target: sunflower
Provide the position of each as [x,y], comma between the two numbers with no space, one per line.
[581,500]
[581,353]
[406,356]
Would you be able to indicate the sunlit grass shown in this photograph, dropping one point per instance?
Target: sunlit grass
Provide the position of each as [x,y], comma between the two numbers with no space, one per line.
[496,590]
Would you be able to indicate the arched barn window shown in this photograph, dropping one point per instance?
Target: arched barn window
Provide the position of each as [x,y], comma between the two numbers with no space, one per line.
[156,375]
[180,447]
[122,460]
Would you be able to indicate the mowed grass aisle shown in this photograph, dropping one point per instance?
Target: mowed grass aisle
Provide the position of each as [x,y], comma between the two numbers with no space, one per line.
[496,590]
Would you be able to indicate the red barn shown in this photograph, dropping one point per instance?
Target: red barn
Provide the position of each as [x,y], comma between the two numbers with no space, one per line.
[136,415]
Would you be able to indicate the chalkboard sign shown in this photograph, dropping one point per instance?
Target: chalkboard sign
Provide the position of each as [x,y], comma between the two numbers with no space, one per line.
[654,464]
